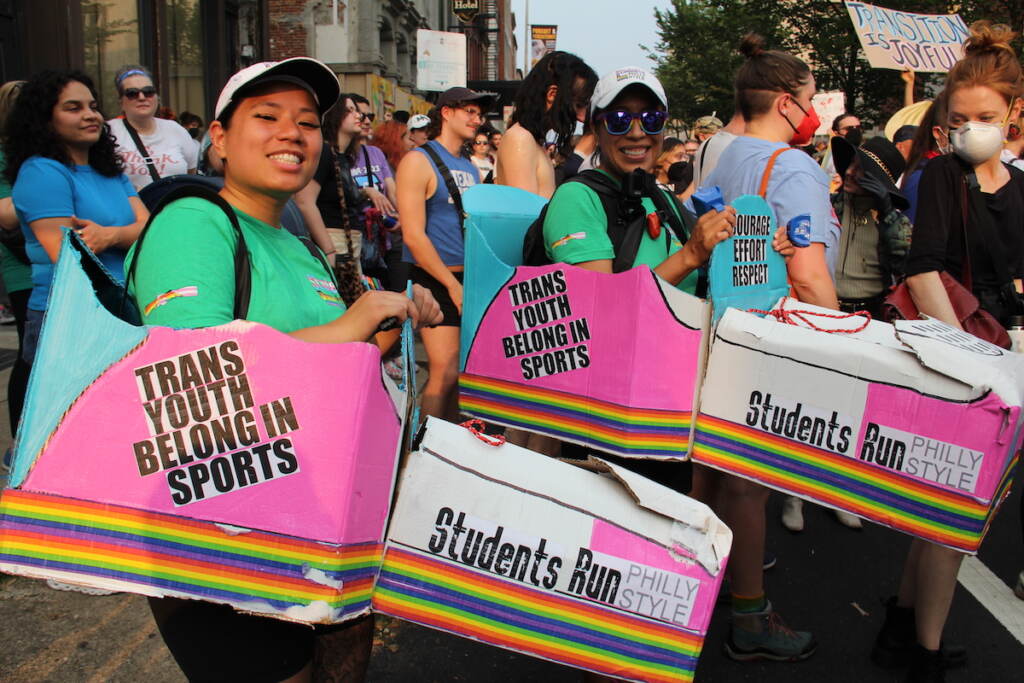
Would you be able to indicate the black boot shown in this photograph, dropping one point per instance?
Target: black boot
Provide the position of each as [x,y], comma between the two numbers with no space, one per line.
[926,666]
[896,642]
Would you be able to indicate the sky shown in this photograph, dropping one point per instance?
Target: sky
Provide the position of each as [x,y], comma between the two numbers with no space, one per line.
[605,33]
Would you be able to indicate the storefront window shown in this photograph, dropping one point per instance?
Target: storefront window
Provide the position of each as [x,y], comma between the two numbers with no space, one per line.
[111,37]
[184,79]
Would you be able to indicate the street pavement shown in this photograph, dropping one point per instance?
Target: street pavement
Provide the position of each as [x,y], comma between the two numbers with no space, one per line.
[829,579]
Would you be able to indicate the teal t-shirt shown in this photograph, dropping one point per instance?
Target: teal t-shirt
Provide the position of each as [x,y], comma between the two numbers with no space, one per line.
[17,276]
[186,272]
[576,230]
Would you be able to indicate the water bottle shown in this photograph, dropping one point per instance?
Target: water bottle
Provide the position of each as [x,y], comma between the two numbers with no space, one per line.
[1016,331]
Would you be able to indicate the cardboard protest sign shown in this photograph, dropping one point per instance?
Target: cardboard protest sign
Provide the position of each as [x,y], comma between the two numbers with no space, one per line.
[607,572]
[828,105]
[893,39]
[607,361]
[915,426]
[234,464]
[745,271]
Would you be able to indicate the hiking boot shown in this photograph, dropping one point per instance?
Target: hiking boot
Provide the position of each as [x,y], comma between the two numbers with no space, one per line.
[926,666]
[897,641]
[793,514]
[762,635]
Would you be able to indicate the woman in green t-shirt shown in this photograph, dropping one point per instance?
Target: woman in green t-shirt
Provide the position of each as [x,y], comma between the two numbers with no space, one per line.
[628,114]
[267,131]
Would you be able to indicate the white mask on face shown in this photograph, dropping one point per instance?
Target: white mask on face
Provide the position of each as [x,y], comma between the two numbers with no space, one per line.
[976,141]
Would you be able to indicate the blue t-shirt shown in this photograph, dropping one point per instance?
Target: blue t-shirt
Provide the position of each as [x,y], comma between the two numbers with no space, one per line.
[48,189]
[443,227]
[910,188]
[797,186]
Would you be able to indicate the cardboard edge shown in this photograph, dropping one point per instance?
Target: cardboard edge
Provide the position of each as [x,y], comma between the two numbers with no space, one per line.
[707,542]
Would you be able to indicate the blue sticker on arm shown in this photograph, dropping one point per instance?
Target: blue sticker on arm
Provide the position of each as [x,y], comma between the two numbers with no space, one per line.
[799,230]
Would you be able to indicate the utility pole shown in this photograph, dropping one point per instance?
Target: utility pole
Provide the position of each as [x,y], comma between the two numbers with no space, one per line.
[527,41]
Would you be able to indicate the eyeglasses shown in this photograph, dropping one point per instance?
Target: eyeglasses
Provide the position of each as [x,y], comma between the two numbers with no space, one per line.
[367,116]
[619,121]
[848,128]
[481,142]
[133,93]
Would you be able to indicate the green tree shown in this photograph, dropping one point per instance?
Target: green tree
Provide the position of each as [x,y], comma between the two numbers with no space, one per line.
[697,57]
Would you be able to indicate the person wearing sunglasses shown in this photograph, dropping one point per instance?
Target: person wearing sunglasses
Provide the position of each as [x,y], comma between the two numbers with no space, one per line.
[432,231]
[369,165]
[480,154]
[150,147]
[628,114]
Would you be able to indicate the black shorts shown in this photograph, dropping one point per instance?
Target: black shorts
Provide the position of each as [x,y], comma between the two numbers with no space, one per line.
[452,317]
[215,643]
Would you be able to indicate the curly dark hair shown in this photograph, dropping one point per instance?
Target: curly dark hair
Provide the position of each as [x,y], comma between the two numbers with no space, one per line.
[29,131]
[561,69]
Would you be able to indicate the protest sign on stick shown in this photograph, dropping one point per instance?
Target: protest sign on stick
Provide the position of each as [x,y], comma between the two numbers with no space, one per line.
[893,39]
[829,105]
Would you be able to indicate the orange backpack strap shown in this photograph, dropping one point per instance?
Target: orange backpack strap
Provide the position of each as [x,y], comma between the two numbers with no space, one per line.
[766,176]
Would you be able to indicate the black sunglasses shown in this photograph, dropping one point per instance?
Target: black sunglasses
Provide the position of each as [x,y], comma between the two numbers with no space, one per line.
[133,93]
[368,116]
[619,121]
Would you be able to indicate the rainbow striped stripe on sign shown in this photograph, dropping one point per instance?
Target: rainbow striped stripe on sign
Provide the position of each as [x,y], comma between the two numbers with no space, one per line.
[891,498]
[603,425]
[197,559]
[427,590]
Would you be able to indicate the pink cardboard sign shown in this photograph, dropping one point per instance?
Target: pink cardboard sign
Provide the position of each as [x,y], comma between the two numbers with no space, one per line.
[237,424]
[557,352]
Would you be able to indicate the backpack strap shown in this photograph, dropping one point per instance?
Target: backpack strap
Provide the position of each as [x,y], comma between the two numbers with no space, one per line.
[370,177]
[243,276]
[766,176]
[449,182]
[626,225]
[142,149]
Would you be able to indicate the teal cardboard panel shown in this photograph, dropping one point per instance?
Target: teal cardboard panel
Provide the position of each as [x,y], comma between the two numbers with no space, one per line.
[746,273]
[498,218]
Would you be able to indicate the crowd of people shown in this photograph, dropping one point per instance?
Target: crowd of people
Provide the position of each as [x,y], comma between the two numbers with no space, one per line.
[300,170]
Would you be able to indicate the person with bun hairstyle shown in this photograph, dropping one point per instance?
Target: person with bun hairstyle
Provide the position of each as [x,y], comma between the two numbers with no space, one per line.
[267,131]
[983,96]
[773,94]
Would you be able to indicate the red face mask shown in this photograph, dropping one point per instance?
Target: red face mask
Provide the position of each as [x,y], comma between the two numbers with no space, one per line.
[803,133]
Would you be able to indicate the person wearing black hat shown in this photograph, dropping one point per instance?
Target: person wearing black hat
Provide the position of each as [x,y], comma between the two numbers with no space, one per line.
[875,236]
[431,180]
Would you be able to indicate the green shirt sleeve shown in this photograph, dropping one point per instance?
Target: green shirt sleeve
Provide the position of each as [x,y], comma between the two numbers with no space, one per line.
[575,227]
[185,277]
[5,187]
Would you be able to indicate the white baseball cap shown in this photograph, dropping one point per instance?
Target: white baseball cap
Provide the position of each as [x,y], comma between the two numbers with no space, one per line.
[305,72]
[611,84]
[418,121]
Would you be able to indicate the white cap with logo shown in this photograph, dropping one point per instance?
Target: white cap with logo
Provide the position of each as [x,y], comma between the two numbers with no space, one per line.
[310,74]
[418,121]
[611,84]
